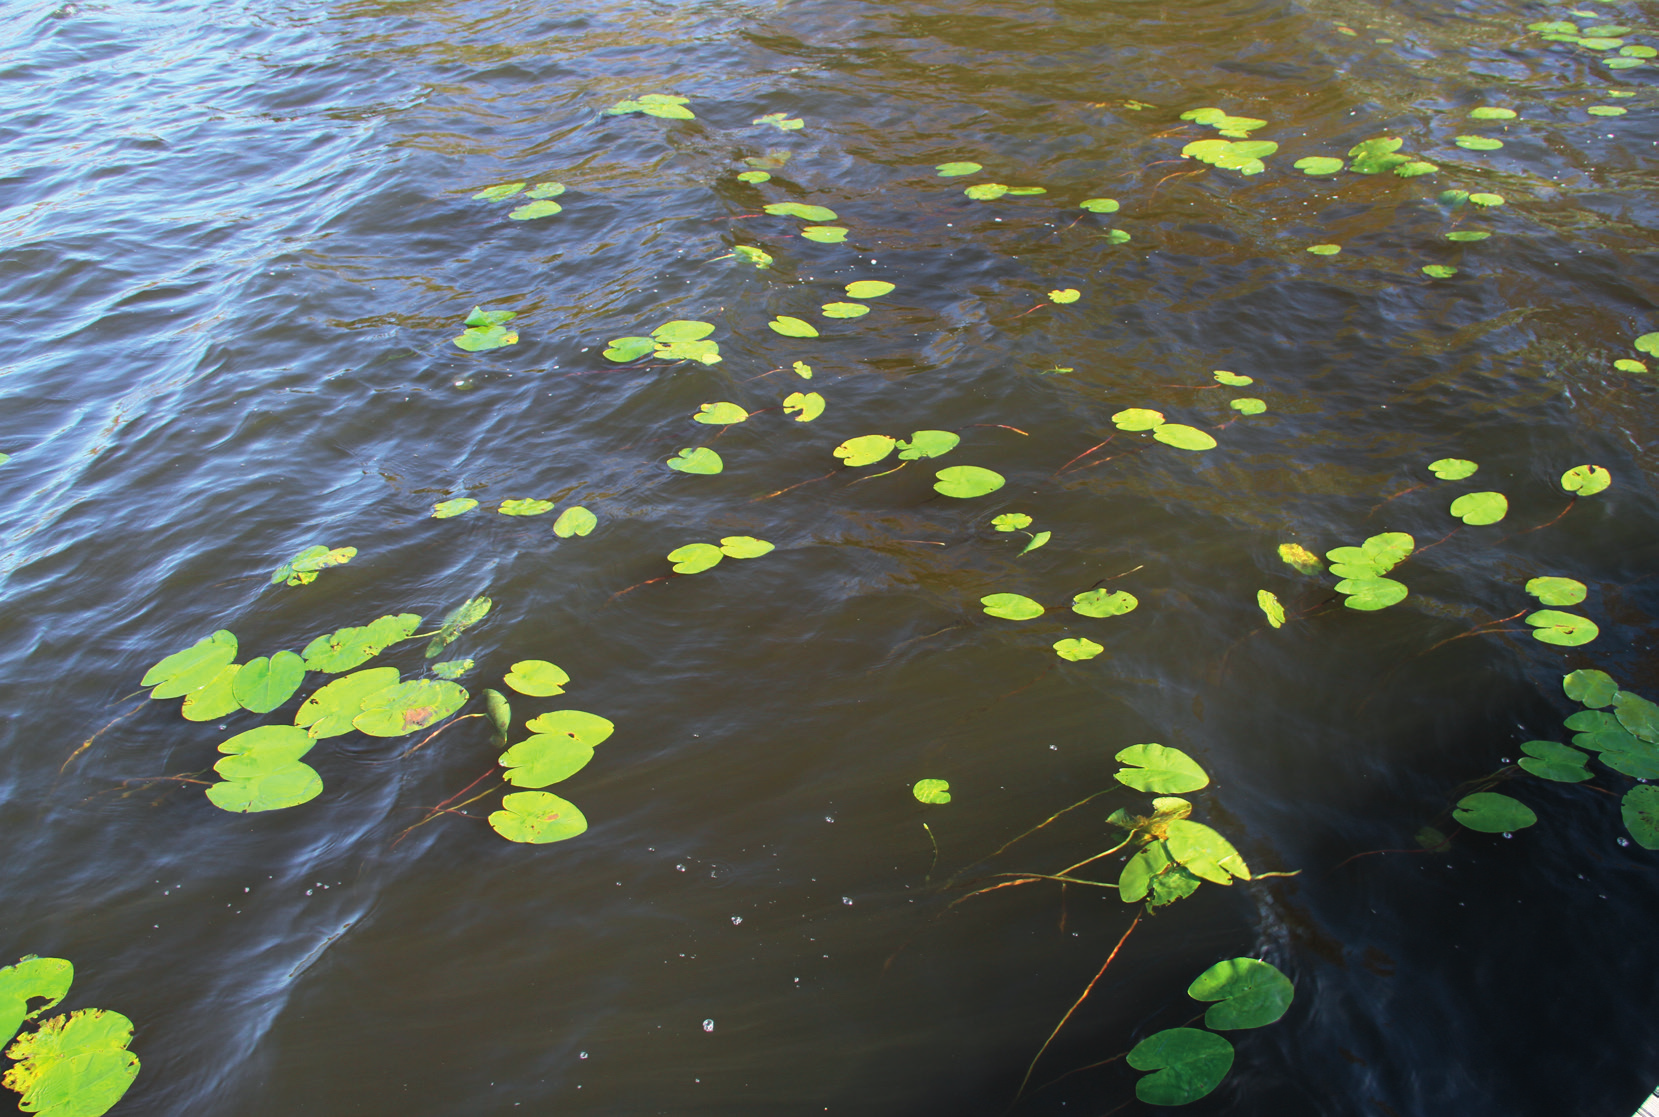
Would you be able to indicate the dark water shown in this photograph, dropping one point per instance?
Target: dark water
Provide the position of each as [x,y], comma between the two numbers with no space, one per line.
[238,239]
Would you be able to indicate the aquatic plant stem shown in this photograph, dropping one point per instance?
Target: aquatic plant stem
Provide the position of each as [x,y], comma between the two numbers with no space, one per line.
[435,811]
[437,731]
[935,863]
[1081,456]
[795,486]
[1005,846]
[1547,523]
[1396,496]
[86,744]
[1086,991]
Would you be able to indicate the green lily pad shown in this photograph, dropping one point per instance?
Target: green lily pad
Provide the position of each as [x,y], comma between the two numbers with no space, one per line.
[1252,993]
[869,289]
[780,121]
[805,406]
[409,707]
[477,339]
[1551,760]
[214,700]
[1270,606]
[694,558]
[1467,236]
[525,507]
[1318,165]
[956,170]
[574,520]
[1478,509]
[302,568]
[1324,249]
[1563,629]
[625,349]
[1137,419]
[264,683]
[547,190]
[330,709]
[1116,236]
[500,713]
[1370,594]
[720,414]
[1640,811]
[1626,364]
[1414,167]
[1637,715]
[346,648]
[74,1065]
[1152,871]
[1011,606]
[682,329]
[194,667]
[537,678]
[1204,852]
[1104,603]
[1621,62]
[1491,813]
[792,327]
[1452,469]
[447,509]
[1011,521]
[866,449]
[452,668]
[497,193]
[1189,1064]
[1015,191]
[844,310]
[478,316]
[1640,763]
[461,618]
[1586,480]
[1231,379]
[935,792]
[1613,739]
[1557,591]
[1559,27]
[759,257]
[1648,343]
[529,211]
[986,191]
[927,444]
[1492,112]
[665,105]
[1487,200]
[1077,649]
[31,979]
[745,547]
[1243,156]
[1373,558]
[1065,295]
[801,210]
[1294,554]
[1590,688]
[1439,271]
[1600,42]
[1374,156]
[699,459]
[825,234]
[262,771]
[543,759]
[537,818]
[1183,437]
[965,481]
[577,725]
[1248,406]
[1478,143]
[1596,721]
[1160,770]
[1099,205]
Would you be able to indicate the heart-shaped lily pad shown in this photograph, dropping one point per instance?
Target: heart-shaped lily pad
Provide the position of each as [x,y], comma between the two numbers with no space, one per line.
[537,678]
[537,818]
[1190,1063]
[1160,770]
[1252,993]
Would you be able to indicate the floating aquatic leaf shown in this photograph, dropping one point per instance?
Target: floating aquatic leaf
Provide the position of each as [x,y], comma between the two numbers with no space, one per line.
[537,678]
[745,547]
[1452,469]
[1252,993]
[624,349]
[1635,50]
[792,327]
[1247,405]
[1231,379]
[1099,205]
[1486,199]
[1189,1063]
[529,211]
[1563,629]
[1160,770]
[1590,688]
[452,668]
[1491,813]
[771,161]
[1640,762]
[1559,27]
[1243,156]
[1372,157]
[1467,236]
[1137,419]
[1637,715]
[525,507]
[1065,295]
[500,713]
[330,709]
[760,258]
[1625,364]
[1104,603]
[682,329]
[575,520]
[302,568]
[965,481]
[825,234]
[1204,852]
[1552,760]
[1415,167]
[461,618]
[802,210]
[705,351]
[577,725]
[956,170]
[544,759]
[1116,236]
[1586,480]
[1077,650]
[497,193]
[1037,541]
[214,700]
[1325,249]
[1376,556]
[1270,605]
[1318,165]
[264,683]
[780,121]
[547,190]
[1183,437]
[1606,30]
[31,979]
[408,707]
[1600,42]
[844,310]
[866,449]
[803,370]
[1622,63]
[1597,721]
[476,339]
[654,104]
[447,509]
[986,191]
[1294,554]
[1478,509]
[699,459]
[537,817]
[1478,143]
[346,648]
[1640,811]
[195,666]
[1439,271]
[936,792]
[1557,591]
[74,1065]
[1011,521]
[720,414]
[262,771]
[1011,606]
[1648,343]
[694,558]
[869,289]
[1014,191]
[1204,116]
[807,405]
[1152,870]
[1371,594]
[928,444]
[1607,736]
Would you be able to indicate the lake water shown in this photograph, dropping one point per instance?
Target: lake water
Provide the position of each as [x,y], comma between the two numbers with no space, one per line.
[239,238]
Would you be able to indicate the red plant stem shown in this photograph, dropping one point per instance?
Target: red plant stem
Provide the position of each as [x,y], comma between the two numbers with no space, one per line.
[86,744]
[1081,456]
[797,485]
[1086,991]
[1033,310]
[1004,426]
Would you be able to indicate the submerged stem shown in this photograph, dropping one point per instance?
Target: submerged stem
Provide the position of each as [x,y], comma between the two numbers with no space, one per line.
[1086,991]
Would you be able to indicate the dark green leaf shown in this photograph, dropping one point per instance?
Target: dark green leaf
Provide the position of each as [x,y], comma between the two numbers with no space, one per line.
[1104,603]
[1491,813]
[1640,810]
[1189,1063]
[1252,993]
[1566,630]
[1552,760]
[1160,770]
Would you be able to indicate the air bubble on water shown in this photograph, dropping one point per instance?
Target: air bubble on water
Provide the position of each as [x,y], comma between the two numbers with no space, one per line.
[308,891]
[847,900]
[1508,835]
[736,919]
[679,868]
[582,1055]
[708,1025]
[1624,841]
[829,818]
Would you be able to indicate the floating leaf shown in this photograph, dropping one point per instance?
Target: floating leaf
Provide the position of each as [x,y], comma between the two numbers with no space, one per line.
[74,1065]
[809,405]
[330,709]
[1490,112]
[547,190]
[577,725]
[694,558]
[1559,27]
[1370,594]
[1563,629]
[706,352]
[1252,993]
[408,707]
[720,414]
[986,191]
[1452,469]
[525,507]
[1640,811]
[497,193]
[262,771]
[866,449]
[1183,437]
[1011,521]
[1248,406]
[964,481]
[1586,480]
[1037,541]
[1557,591]
[476,339]
[1116,236]
[792,327]
[1104,603]
[1231,379]
[499,711]
[575,520]
[1294,554]
[1491,813]
[1625,364]
[302,568]
[1591,688]
[1551,760]
[780,121]
[1325,249]
[1318,165]
[346,648]
[1439,271]
[1204,852]
[844,310]
[1018,190]
[264,683]
[1011,606]
[1415,167]
[1160,770]
[935,792]
[1137,419]
[760,258]
[1099,205]
[698,459]
[1638,715]
[745,547]
[1376,556]
[1467,236]
[1375,156]
[801,210]
[537,817]
[452,668]
[1077,649]
[956,170]
[1243,156]
[825,234]
[195,666]
[1479,509]
[1478,143]
[537,678]
[1487,199]
[214,700]
[1606,110]
[31,979]
[682,329]
[928,444]
[447,509]
[1152,870]
[803,370]
[541,760]
[1270,605]
[1189,1063]
[625,349]
[869,289]
[462,617]
[1600,42]
[1065,295]
[654,104]
[532,210]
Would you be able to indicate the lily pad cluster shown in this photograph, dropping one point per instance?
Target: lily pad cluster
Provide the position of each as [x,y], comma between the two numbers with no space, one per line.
[694,558]
[75,1064]
[1362,568]
[486,329]
[666,105]
[1243,156]
[680,340]
[1019,521]
[560,745]
[1175,855]
[1606,40]
[1368,157]
[302,569]
[1189,1063]
[1178,435]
